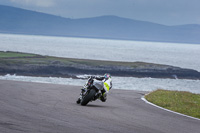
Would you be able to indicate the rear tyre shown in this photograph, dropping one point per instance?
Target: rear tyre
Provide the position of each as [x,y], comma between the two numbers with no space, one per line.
[88,97]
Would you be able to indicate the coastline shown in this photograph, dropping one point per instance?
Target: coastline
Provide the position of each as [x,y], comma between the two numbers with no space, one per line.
[26,64]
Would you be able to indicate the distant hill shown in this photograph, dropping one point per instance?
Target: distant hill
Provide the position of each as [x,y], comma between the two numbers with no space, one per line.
[20,21]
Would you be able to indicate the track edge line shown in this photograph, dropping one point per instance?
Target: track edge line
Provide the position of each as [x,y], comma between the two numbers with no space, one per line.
[168,109]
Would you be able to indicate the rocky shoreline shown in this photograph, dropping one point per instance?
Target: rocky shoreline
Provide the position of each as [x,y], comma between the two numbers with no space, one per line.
[38,65]
[61,71]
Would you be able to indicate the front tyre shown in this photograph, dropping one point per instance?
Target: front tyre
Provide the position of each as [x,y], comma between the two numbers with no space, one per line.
[88,97]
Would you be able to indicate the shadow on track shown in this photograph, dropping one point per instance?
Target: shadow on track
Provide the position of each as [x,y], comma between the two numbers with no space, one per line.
[93,105]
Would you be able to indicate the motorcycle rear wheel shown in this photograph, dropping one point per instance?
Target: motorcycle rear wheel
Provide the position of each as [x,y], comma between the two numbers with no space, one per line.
[88,97]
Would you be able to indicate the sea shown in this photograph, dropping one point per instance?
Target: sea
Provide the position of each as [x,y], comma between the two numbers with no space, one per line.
[175,54]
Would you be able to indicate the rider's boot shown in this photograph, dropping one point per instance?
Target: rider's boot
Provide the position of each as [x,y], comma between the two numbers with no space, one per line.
[79,99]
[103,98]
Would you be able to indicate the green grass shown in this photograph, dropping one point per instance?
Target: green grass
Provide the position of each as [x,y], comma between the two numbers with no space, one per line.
[26,58]
[183,102]
[14,54]
[15,59]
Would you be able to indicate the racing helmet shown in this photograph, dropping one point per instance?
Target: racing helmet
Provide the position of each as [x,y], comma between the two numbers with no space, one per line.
[107,75]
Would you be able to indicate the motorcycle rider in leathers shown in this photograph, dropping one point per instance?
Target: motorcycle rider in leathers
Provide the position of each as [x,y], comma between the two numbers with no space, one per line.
[106,79]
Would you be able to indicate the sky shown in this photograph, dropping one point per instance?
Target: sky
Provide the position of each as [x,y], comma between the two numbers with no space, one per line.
[167,12]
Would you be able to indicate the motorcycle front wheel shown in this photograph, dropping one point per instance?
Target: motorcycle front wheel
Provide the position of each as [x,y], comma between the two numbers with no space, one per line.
[88,97]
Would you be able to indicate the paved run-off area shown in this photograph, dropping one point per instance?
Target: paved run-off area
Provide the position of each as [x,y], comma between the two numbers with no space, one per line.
[47,108]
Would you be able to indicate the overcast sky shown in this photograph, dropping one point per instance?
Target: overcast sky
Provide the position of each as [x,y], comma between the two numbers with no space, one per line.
[168,12]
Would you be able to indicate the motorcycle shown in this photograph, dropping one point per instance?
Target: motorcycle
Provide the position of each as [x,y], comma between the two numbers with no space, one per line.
[92,93]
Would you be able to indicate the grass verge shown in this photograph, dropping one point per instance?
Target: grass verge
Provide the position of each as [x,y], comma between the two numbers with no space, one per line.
[179,101]
[14,54]
[28,58]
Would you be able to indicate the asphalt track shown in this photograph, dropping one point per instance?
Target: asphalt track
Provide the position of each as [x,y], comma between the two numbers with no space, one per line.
[45,108]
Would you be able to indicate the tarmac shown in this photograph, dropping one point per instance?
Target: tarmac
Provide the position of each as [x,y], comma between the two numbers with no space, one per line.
[27,107]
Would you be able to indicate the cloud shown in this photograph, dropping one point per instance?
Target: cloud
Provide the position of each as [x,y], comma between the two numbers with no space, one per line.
[38,3]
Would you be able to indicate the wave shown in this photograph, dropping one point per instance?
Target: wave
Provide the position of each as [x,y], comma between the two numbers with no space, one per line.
[124,83]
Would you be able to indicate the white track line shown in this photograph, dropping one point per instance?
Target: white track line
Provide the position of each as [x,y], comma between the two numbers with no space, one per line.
[167,109]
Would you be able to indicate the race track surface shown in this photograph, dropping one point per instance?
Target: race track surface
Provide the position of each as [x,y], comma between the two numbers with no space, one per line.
[45,108]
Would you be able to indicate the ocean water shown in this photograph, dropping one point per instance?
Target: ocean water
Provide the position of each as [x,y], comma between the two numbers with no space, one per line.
[124,83]
[181,55]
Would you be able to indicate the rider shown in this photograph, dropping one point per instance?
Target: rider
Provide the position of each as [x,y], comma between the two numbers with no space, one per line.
[106,79]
